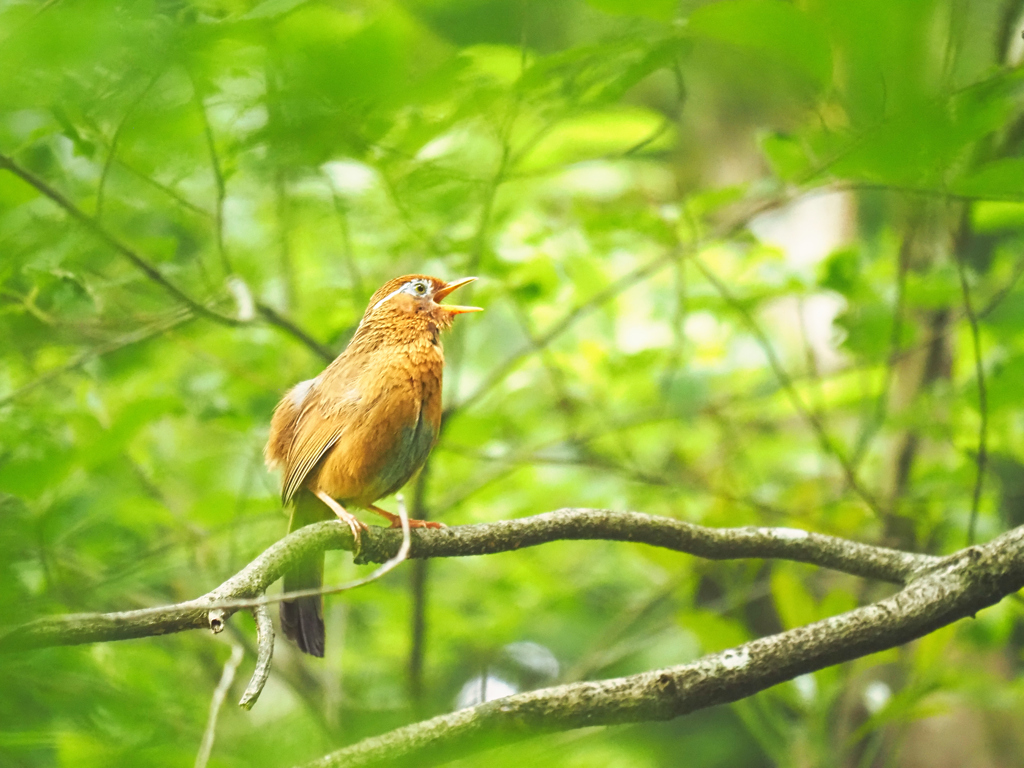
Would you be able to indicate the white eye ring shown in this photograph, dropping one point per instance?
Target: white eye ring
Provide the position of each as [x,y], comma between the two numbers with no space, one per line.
[419,288]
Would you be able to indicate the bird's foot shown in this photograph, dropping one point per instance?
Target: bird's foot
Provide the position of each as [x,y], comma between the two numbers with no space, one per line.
[355,525]
[396,521]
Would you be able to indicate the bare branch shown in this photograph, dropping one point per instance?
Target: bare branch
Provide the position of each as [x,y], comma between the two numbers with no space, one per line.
[219,694]
[265,653]
[218,174]
[103,234]
[269,314]
[963,584]
[937,592]
[112,150]
[179,317]
[979,374]
[828,445]
[275,318]
[381,545]
[503,369]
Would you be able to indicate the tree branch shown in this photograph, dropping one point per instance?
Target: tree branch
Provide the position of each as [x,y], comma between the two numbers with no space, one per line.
[219,694]
[265,652]
[962,584]
[979,376]
[103,234]
[937,591]
[379,545]
[270,315]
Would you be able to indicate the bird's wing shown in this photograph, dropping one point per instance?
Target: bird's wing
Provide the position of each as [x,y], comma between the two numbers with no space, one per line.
[327,411]
[306,453]
[282,425]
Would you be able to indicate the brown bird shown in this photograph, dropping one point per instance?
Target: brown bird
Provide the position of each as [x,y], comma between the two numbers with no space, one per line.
[362,428]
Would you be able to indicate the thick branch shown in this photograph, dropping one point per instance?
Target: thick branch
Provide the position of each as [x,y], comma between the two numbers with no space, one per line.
[379,545]
[961,585]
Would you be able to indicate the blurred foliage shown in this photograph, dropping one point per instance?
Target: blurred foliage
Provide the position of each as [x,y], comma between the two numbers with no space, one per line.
[654,193]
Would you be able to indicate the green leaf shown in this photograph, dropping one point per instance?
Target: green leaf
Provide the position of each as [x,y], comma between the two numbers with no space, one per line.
[993,216]
[269,9]
[777,29]
[794,603]
[786,154]
[662,10]
[601,134]
[998,179]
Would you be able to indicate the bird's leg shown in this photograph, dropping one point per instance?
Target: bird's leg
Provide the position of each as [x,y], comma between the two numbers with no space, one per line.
[396,521]
[355,524]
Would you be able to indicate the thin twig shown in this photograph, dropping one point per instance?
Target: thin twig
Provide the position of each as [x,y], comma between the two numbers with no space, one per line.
[979,372]
[276,319]
[503,369]
[218,177]
[105,235]
[112,149]
[418,589]
[724,231]
[824,439]
[895,339]
[268,313]
[219,694]
[265,653]
[284,254]
[476,258]
[388,566]
[341,211]
[164,189]
[181,317]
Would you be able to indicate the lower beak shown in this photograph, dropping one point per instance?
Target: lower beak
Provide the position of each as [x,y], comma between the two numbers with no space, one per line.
[454,309]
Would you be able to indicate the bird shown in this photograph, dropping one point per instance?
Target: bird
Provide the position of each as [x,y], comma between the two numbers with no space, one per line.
[361,429]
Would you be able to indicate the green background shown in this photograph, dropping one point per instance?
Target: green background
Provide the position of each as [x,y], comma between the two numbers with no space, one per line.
[621,177]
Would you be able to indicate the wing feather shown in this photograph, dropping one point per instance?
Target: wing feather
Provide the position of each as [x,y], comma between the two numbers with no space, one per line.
[326,414]
[305,455]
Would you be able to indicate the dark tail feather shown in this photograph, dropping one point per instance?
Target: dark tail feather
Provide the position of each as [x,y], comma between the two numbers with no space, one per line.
[302,619]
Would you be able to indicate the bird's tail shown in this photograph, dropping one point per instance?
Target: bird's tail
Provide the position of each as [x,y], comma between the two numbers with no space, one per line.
[302,619]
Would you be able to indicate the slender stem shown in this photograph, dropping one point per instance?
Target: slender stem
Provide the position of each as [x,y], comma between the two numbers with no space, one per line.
[979,373]
[105,235]
[112,149]
[276,319]
[265,651]
[418,588]
[219,694]
[180,317]
[218,178]
[268,313]
[876,420]
[824,439]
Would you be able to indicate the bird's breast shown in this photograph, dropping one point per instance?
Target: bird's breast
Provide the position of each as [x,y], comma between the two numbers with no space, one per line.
[393,428]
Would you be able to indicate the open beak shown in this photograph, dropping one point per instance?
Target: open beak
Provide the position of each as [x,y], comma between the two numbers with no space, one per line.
[454,309]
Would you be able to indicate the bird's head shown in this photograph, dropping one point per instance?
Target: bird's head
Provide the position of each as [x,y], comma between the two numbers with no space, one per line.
[414,301]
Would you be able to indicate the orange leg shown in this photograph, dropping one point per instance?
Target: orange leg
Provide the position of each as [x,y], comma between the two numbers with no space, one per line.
[354,523]
[396,521]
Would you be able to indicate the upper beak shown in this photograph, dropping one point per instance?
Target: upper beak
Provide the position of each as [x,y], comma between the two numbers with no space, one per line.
[454,308]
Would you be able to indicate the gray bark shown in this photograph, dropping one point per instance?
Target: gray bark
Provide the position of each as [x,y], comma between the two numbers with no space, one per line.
[934,592]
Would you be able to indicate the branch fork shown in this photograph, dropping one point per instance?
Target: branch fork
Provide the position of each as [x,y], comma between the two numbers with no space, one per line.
[934,592]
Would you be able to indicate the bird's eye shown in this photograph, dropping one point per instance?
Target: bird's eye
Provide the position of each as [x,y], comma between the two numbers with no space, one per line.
[419,288]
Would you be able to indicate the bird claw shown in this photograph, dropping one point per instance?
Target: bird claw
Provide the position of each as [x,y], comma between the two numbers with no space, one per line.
[354,523]
[418,524]
[357,527]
